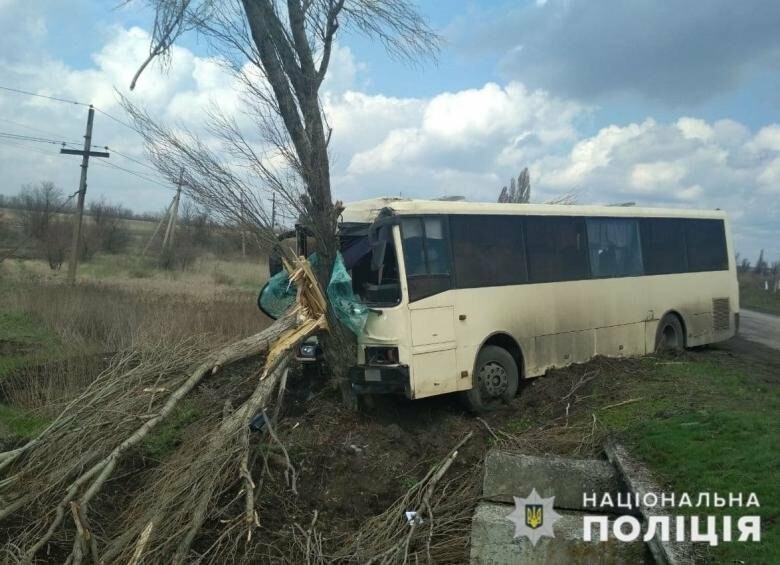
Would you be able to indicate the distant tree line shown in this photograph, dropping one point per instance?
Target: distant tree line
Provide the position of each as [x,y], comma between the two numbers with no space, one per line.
[41,226]
[762,266]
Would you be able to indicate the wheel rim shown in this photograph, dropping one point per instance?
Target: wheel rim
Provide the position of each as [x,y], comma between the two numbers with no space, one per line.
[669,338]
[493,379]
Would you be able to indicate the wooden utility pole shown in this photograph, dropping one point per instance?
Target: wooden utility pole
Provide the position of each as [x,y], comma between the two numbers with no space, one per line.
[243,223]
[159,225]
[273,210]
[85,155]
[169,231]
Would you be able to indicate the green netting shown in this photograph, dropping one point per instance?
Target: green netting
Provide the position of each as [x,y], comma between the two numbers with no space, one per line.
[278,295]
[348,308]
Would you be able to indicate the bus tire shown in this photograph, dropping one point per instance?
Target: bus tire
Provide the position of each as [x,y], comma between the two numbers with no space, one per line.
[670,335]
[495,380]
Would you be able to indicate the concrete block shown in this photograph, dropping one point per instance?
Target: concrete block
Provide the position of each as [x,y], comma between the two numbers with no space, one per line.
[510,474]
[638,479]
[493,543]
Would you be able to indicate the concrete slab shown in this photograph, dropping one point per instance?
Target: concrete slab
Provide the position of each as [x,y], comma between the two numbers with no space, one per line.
[511,474]
[493,543]
[638,479]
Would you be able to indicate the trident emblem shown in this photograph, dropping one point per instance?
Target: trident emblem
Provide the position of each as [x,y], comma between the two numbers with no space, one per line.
[534,515]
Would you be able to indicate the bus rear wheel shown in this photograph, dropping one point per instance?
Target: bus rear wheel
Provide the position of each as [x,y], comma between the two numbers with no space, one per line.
[670,335]
[495,380]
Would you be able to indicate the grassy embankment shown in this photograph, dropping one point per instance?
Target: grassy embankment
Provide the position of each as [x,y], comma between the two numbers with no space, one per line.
[705,422]
[54,339]
[702,421]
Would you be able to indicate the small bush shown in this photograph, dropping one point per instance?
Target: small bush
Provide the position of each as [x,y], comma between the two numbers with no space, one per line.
[55,242]
[139,271]
[222,278]
[108,231]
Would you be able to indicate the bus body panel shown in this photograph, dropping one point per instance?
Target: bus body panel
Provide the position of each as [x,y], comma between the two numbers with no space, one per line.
[554,324]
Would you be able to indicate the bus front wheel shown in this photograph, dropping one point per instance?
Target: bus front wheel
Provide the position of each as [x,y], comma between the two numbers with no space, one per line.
[670,335]
[495,380]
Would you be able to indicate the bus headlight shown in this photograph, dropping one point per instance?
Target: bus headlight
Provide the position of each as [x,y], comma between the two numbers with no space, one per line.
[308,350]
[381,355]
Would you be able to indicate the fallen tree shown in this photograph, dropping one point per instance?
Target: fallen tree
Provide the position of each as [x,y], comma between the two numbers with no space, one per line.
[50,482]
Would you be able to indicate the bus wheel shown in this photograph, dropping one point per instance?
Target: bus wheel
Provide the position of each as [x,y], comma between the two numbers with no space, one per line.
[670,335]
[495,380]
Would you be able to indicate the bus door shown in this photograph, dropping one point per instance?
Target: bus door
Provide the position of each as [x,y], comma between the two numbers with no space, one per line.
[428,270]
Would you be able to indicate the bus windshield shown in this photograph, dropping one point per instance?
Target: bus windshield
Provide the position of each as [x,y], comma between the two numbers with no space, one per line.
[373,267]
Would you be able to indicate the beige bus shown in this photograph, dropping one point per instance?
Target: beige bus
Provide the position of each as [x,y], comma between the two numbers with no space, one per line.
[471,297]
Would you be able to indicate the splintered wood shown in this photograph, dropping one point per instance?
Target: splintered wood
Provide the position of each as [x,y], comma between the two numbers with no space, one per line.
[309,310]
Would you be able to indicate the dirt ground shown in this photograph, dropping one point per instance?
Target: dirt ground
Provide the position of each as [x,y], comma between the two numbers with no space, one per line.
[352,467]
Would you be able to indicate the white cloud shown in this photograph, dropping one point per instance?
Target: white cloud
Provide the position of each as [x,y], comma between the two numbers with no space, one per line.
[465,142]
[650,177]
[693,128]
[767,139]
[769,177]
[690,163]
[181,93]
[475,129]
[594,153]
[344,71]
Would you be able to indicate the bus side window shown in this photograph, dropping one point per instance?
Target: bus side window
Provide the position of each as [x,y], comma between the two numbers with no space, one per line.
[414,254]
[488,250]
[663,245]
[706,245]
[426,256]
[555,249]
[614,247]
[435,247]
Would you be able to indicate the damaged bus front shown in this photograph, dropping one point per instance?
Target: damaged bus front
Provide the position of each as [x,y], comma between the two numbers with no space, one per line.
[400,269]
[377,308]
[371,254]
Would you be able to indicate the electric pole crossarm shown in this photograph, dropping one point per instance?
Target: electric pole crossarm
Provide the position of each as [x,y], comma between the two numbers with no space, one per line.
[80,152]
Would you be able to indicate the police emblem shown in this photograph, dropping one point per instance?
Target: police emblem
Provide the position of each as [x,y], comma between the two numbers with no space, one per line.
[534,517]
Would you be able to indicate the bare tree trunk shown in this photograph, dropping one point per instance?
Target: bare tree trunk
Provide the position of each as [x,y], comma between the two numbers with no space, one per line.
[290,43]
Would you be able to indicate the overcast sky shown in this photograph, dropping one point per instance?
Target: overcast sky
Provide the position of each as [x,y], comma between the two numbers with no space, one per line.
[655,101]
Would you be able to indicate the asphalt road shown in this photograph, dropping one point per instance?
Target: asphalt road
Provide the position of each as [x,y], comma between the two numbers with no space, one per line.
[760,328]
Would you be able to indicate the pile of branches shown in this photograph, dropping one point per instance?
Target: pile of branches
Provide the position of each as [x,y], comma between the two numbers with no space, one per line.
[55,489]
[430,523]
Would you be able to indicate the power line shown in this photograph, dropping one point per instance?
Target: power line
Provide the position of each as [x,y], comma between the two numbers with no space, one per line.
[66,101]
[26,148]
[117,120]
[35,139]
[28,93]
[18,137]
[28,126]
[134,173]
[133,159]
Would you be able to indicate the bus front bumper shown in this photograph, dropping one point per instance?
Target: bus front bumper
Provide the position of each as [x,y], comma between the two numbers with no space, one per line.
[375,379]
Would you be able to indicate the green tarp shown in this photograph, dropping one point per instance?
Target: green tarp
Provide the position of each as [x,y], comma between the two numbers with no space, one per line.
[278,295]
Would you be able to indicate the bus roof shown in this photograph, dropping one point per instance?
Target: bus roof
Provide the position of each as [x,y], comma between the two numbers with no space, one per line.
[367,210]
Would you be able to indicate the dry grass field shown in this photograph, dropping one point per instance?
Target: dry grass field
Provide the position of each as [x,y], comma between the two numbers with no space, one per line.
[65,334]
